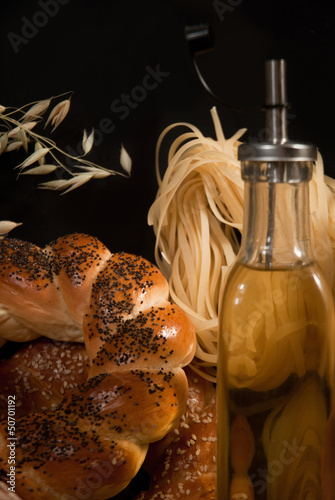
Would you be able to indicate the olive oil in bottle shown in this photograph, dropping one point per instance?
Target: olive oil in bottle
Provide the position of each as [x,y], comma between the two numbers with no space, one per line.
[276,322]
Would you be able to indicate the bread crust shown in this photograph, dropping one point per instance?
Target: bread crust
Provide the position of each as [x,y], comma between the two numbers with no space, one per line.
[183,463]
[27,291]
[39,373]
[76,260]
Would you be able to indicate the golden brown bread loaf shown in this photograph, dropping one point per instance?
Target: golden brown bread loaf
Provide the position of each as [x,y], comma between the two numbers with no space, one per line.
[137,343]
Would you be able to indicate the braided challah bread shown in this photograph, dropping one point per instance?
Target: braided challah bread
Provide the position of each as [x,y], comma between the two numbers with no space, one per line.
[137,342]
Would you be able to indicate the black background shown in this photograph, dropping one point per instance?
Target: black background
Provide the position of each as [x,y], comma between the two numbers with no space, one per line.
[102,49]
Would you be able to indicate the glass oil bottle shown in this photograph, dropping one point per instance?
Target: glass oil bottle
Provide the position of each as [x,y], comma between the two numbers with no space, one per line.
[276,321]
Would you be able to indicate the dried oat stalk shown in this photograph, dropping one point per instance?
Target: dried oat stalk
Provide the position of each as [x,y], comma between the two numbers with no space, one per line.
[6,226]
[16,131]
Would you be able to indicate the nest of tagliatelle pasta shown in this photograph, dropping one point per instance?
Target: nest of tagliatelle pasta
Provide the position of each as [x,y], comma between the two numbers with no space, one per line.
[197,220]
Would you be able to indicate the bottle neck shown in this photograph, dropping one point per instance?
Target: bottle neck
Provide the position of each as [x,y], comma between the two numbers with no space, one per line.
[276,226]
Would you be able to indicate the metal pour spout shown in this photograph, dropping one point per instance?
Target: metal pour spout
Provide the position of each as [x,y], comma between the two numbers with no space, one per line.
[277,147]
[275,101]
